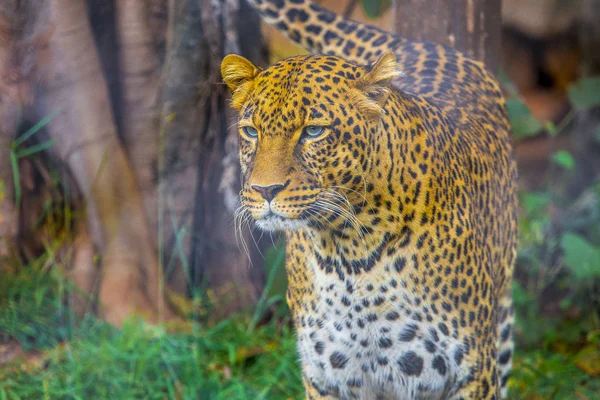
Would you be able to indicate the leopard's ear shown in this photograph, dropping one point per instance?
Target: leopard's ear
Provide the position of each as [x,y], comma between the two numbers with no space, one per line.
[375,83]
[382,71]
[238,73]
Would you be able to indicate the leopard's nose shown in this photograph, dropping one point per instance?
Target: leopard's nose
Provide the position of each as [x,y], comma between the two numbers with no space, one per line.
[268,192]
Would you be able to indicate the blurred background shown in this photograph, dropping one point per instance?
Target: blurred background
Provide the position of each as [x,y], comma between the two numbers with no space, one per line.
[124,272]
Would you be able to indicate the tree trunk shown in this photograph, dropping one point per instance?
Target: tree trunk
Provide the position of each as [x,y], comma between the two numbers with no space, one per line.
[8,215]
[155,157]
[87,141]
[587,122]
[471,26]
[14,92]
[139,80]
[199,146]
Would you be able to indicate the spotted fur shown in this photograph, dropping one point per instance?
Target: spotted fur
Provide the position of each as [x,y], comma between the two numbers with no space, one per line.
[397,195]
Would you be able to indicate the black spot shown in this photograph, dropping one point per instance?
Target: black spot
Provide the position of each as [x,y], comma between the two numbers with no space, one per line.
[505,334]
[411,364]
[316,29]
[485,388]
[326,16]
[399,264]
[443,328]
[392,316]
[458,356]
[439,365]
[381,40]
[338,360]
[382,361]
[319,346]
[354,382]
[504,357]
[430,346]
[385,343]
[329,36]
[408,333]
[294,14]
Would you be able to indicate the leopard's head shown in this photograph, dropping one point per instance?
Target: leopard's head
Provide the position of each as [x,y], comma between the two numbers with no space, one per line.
[307,126]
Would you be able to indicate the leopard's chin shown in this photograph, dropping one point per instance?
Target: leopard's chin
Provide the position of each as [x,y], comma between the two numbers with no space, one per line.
[274,222]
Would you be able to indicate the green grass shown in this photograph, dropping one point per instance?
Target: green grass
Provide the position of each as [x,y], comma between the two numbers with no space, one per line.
[97,361]
[141,362]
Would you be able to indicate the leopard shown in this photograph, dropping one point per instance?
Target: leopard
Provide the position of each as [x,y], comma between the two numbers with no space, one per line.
[387,164]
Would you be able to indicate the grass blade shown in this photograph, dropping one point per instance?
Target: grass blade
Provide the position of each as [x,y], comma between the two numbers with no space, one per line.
[35,128]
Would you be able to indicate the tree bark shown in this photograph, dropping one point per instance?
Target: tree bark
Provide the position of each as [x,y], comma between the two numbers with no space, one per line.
[8,214]
[471,26]
[87,141]
[199,147]
[587,122]
[155,158]
[14,41]
[139,79]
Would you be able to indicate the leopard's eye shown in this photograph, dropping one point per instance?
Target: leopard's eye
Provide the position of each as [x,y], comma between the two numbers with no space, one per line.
[250,132]
[314,131]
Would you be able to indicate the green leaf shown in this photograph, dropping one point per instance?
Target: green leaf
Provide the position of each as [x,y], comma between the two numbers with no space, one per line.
[37,127]
[535,201]
[585,93]
[564,159]
[551,128]
[522,121]
[520,295]
[16,180]
[582,258]
[375,8]
[35,149]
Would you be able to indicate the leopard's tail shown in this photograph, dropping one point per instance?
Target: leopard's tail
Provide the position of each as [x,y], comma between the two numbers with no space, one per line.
[506,321]
[319,30]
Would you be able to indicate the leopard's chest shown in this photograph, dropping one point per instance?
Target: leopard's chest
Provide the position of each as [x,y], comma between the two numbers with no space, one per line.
[368,338]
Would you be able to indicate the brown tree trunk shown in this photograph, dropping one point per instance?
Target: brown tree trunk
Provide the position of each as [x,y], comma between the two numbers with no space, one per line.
[198,165]
[585,130]
[471,26]
[139,82]
[14,92]
[159,180]
[86,140]
[8,215]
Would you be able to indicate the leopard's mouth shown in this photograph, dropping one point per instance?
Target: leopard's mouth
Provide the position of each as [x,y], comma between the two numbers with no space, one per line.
[274,222]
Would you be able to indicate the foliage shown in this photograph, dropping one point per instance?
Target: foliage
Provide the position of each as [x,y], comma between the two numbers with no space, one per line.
[17,151]
[375,8]
[557,278]
[548,374]
[223,361]
[585,94]
[523,123]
